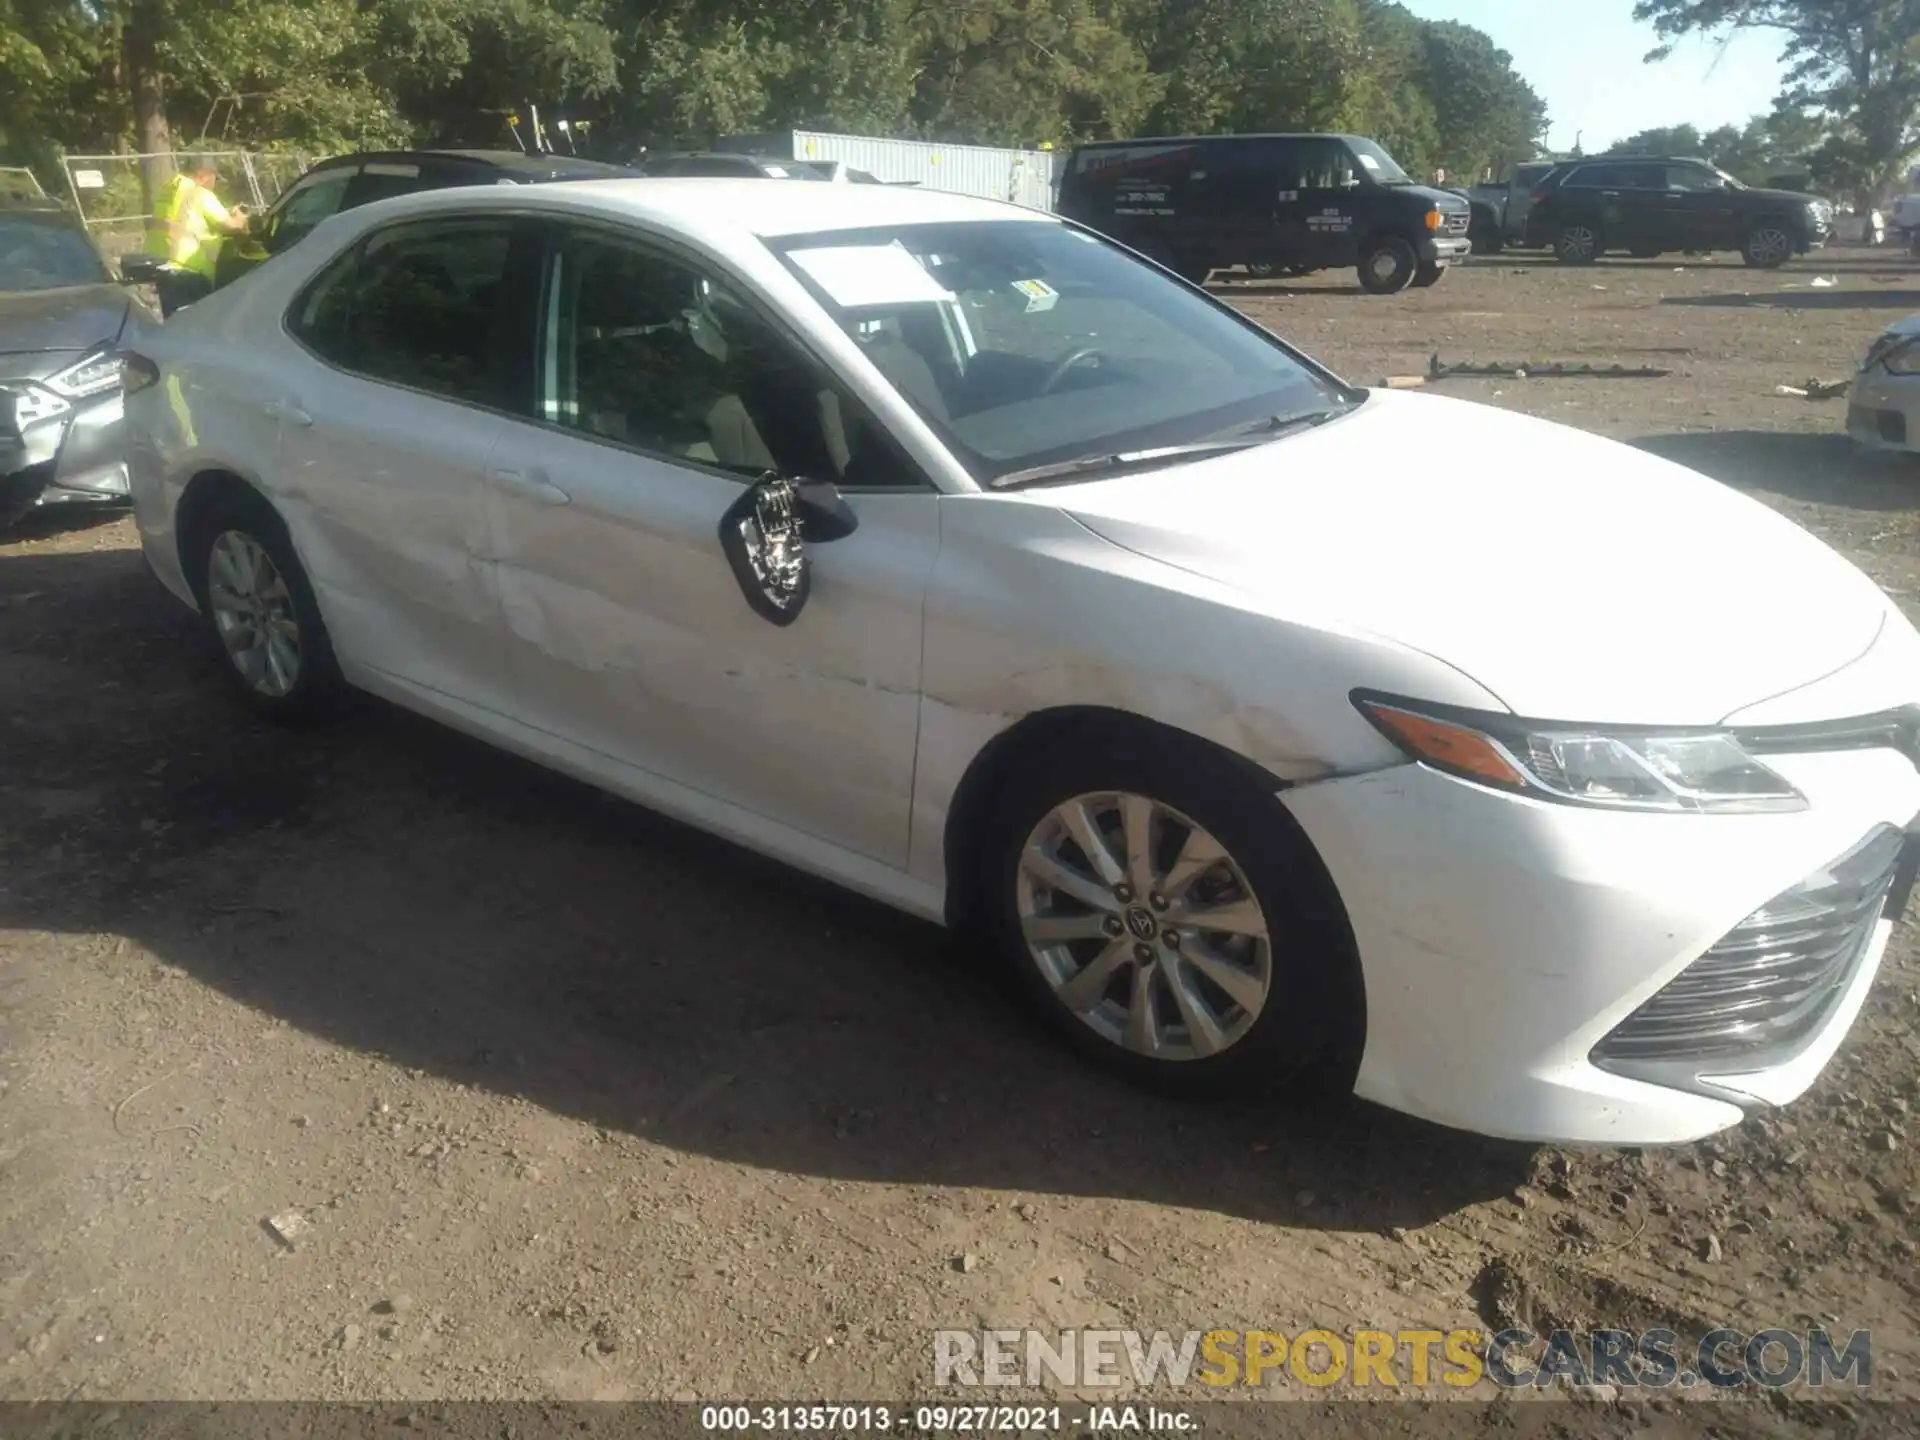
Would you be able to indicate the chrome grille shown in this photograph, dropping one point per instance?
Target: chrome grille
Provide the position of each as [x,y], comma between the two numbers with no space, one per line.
[1458,222]
[1775,976]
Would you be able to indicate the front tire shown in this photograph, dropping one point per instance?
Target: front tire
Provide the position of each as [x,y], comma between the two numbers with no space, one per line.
[1167,915]
[259,608]
[1388,265]
[1428,275]
[1768,246]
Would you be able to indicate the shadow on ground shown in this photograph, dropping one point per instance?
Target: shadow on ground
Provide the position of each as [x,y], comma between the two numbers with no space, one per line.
[1826,469]
[1886,298]
[391,888]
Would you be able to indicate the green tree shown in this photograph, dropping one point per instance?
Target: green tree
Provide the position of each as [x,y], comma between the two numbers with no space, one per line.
[1855,61]
[1489,118]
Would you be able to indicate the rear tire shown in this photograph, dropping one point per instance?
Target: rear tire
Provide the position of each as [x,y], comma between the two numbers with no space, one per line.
[1300,974]
[1388,265]
[1578,244]
[259,609]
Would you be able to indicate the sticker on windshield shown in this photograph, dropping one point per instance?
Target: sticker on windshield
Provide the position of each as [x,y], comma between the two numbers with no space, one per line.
[1040,295]
[857,275]
[1368,161]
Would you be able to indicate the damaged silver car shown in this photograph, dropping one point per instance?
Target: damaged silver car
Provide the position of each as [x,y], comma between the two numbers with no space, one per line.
[62,319]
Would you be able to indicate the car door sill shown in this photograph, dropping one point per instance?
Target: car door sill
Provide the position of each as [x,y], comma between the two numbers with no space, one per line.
[871,878]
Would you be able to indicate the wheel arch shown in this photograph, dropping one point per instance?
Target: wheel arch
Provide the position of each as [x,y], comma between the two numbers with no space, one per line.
[1032,736]
[207,487]
[1028,739]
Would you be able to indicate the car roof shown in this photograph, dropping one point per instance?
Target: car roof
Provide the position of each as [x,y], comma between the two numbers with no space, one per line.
[41,208]
[510,161]
[1197,139]
[1639,160]
[720,213]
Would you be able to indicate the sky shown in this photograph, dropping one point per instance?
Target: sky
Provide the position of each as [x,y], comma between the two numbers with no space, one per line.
[1585,60]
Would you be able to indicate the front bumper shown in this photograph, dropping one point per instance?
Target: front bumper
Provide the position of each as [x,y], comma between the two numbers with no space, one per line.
[1883,411]
[78,457]
[1445,249]
[1503,939]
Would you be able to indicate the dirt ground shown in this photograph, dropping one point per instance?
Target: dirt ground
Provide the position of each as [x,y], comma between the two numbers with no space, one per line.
[579,1104]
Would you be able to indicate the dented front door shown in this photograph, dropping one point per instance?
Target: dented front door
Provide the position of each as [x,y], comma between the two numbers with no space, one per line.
[628,634]
[663,393]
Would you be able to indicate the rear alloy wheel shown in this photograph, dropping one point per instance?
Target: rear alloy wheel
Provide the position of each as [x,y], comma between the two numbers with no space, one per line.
[1768,247]
[1577,245]
[260,609]
[1167,919]
[1388,265]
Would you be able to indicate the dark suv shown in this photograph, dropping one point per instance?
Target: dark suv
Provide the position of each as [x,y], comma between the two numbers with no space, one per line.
[1648,205]
[347,181]
[1297,203]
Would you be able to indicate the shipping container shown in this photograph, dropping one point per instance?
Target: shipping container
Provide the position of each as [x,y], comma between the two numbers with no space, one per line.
[1024,177]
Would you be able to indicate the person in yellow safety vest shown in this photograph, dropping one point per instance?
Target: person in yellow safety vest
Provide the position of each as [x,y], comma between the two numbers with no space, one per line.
[186,231]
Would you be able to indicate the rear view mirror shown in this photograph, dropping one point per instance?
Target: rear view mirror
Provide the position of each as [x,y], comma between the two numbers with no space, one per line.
[139,269]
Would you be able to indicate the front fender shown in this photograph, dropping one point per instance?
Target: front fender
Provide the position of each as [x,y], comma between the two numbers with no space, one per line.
[1029,611]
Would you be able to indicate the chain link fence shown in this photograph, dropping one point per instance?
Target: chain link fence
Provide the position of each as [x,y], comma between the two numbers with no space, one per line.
[113,192]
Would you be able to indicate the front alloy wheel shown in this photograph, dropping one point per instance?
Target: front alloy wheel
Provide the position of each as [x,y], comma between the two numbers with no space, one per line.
[1768,247]
[1577,245]
[1144,927]
[253,614]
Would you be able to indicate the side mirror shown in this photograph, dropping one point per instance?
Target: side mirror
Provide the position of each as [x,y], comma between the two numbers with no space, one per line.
[139,269]
[764,534]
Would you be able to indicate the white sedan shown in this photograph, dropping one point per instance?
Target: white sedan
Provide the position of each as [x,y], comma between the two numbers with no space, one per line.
[948,551]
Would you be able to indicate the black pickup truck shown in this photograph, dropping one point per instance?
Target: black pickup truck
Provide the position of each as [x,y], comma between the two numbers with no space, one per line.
[1500,208]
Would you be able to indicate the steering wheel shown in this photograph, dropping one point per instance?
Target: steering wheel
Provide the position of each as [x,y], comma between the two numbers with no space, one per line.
[1058,370]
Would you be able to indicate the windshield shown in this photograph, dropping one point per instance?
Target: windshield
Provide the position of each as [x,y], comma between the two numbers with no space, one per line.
[36,255]
[1027,343]
[1381,167]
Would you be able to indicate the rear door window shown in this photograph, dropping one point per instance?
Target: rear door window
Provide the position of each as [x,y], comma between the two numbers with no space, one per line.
[418,306]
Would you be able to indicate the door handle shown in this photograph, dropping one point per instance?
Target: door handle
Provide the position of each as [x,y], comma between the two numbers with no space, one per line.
[530,484]
[287,411]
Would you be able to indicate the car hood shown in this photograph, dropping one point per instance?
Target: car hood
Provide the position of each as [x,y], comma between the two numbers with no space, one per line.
[1574,577]
[74,318]
[1444,199]
[1781,197]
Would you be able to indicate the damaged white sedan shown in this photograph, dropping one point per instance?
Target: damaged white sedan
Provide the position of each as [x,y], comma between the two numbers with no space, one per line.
[946,550]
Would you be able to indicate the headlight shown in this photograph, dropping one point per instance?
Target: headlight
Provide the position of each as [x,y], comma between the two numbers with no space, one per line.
[32,403]
[1700,771]
[1896,351]
[96,374]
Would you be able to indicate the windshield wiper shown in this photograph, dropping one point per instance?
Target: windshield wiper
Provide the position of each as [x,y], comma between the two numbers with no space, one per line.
[1087,464]
[1242,437]
[1272,427]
